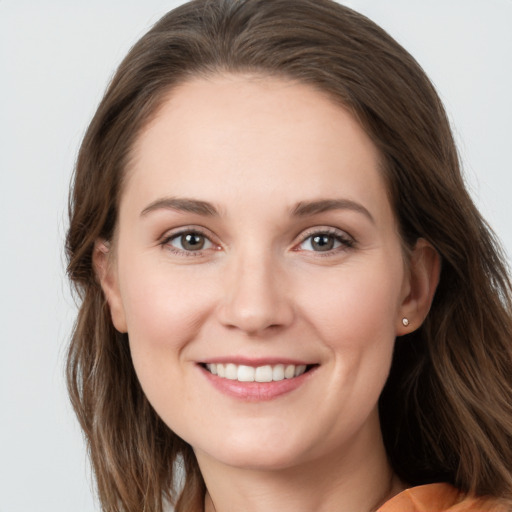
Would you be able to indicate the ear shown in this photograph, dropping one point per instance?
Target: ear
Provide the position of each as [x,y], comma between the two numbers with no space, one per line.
[106,272]
[424,271]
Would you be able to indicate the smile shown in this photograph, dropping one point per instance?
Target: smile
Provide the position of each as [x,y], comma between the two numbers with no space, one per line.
[266,373]
[257,381]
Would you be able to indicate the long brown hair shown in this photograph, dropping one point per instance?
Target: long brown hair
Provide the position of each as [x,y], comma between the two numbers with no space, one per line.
[446,411]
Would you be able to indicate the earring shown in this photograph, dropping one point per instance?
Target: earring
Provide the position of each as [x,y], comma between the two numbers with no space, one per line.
[405,321]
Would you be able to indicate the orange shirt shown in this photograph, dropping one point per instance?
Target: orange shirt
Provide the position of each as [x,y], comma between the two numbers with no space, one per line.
[439,498]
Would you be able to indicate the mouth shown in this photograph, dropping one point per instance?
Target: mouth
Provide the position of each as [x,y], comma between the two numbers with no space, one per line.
[264,373]
[257,381]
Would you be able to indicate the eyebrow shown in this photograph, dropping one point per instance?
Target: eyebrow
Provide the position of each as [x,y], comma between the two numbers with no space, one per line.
[182,205]
[305,208]
[301,209]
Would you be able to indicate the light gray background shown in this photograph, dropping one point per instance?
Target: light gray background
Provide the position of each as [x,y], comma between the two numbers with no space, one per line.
[56,57]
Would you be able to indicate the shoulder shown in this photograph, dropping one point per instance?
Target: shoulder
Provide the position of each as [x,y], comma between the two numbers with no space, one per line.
[440,498]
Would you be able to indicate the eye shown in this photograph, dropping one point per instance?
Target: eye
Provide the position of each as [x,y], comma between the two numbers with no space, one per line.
[189,241]
[325,241]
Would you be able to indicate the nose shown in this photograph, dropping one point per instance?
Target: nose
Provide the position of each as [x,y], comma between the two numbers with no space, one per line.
[255,296]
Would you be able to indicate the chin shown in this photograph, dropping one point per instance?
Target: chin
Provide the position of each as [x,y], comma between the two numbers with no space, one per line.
[258,460]
[257,453]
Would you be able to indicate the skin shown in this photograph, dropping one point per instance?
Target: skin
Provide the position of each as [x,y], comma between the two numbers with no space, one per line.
[254,148]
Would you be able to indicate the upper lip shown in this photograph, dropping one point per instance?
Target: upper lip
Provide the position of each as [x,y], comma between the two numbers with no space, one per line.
[255,362]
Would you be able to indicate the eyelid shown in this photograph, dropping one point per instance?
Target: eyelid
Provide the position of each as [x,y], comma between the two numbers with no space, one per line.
[172,234]
[347,241]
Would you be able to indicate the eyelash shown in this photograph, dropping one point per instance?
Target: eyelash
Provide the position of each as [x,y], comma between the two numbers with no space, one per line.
[344,240]
[166,242]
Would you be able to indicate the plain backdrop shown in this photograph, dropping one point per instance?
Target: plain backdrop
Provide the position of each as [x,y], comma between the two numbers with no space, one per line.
[56,56]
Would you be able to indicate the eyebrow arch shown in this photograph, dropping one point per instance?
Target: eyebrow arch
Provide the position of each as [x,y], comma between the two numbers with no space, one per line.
[305,208]
[182,205]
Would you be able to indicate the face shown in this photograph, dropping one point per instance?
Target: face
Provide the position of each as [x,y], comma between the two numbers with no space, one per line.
[258,272]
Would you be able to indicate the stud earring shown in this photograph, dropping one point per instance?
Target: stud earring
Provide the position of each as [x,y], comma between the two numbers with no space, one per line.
[405,321]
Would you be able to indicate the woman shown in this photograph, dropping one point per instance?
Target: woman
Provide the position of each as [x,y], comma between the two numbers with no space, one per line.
[288,297]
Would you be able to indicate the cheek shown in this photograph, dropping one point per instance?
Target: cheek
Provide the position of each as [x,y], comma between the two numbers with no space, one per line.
[357,323]
[360,306]
[163,307]
[165,311]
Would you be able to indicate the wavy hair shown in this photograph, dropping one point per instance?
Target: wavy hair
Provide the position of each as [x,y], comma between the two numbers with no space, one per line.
[446,410]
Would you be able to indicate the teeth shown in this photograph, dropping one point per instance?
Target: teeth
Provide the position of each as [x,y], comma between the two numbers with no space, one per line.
[265,373]
[231,372]
[245,373]
[299,370]
[289,372]
[278,372]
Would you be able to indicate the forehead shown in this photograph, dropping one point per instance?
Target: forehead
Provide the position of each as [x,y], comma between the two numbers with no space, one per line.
[236,132]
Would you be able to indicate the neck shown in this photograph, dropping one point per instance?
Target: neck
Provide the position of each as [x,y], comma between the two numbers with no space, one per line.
[357,478]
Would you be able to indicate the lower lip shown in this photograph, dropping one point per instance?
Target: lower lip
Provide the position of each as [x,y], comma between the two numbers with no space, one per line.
[256,391]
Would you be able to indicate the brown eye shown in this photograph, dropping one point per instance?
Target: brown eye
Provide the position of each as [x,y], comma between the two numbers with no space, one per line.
[190,241]
[322,242]
[326,242]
